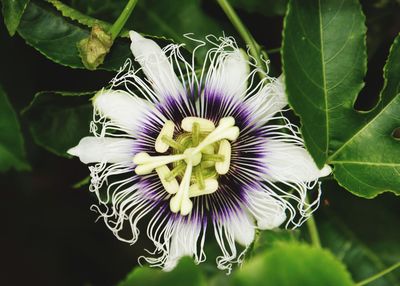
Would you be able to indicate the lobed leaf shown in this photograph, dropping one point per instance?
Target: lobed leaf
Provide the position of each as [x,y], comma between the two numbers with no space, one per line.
[324,62]
[368,163]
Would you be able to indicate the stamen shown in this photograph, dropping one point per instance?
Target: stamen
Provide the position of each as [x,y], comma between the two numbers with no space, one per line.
[210,186]
[175,172]
[171,186]
[222,167]
[195,156]
[146,163]
[172,143]
[204,124]
[181,202]
[167,131]
[225,130]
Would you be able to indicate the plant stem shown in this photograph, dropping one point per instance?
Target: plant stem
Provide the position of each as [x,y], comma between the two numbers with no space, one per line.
[123,17]
[378,275]
[255,49]
[313,231]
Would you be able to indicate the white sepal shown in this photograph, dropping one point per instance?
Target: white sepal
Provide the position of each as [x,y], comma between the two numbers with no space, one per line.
[155,65]
[103,149]
[288,162]
[123,110]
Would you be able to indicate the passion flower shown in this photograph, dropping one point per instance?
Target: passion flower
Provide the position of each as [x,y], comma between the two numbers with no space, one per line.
[196,154]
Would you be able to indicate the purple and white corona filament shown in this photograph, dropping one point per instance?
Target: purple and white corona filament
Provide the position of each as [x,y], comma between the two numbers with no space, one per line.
[196,153]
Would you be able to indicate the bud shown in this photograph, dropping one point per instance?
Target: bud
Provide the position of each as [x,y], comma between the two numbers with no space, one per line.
[94,48]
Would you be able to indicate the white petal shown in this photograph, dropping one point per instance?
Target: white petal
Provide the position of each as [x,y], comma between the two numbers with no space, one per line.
[269,100]
[155,65]
[123,109]
[291,163]
[103,149]
[267,210]
[230,76]
[183,243]
[241,225]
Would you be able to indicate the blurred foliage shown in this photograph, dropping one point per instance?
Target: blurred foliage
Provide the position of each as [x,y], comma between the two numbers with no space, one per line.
[58,120]
[12,13]
[184,272]
[293,264]
[49,232]
[12,153]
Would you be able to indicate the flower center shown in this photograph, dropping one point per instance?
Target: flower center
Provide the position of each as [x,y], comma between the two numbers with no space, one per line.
[199,155]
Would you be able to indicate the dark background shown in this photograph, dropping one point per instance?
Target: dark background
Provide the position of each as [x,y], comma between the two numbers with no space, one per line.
[48,235]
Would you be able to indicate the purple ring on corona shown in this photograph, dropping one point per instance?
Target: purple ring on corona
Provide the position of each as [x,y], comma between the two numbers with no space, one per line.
[195,153]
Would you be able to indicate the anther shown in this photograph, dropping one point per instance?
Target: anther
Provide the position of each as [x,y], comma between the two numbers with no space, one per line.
[171,186]
[146,163]
[204,124]
[222,167]
[210,186]
[167,131]
[181,202]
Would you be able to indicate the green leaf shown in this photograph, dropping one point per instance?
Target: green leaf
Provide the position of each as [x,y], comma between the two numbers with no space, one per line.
[324,71]
[12,152]
[185,273]
[56,37]
[58,120]
[12,13]
[293,264]
[75,15]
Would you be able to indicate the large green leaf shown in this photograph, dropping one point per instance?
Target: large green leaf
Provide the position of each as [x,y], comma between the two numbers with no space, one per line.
[12,13]
[186,273]
[58,120]
[56,37]
[12,152]
[293,264]
[324,62]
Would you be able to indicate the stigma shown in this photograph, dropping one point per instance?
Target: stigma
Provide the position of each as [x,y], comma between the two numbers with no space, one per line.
[197,153]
